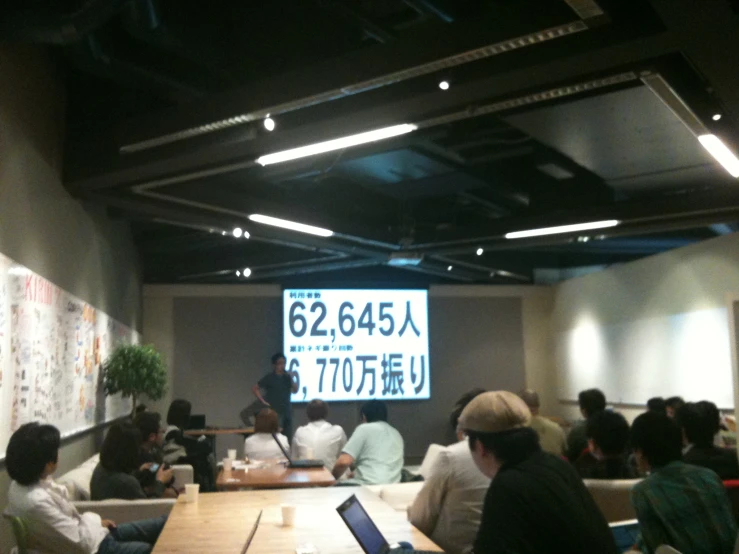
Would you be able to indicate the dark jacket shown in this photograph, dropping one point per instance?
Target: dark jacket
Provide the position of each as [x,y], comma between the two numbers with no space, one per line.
[107,484]
[721,460]
[540,506]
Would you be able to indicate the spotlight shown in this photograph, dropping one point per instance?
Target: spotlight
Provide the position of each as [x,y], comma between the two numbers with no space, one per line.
[480,251]
[238,273]
[247,272]
[246,235]
[269,123]
[716,116]
[449,268]
[237,232]
[223,233]
[444,85]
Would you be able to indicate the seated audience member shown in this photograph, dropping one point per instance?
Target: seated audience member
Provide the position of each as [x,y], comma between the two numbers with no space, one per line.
[608,439]
[115,476]
[140,408]
[460,405]
[178,448]
[657,405]
[699,423]
[319,439]
[673,404]
[678,504]
[537,503]
[261,445]
[54,523]
[149,425]
[591,402]
[551,436]
[448,507]
[375,450]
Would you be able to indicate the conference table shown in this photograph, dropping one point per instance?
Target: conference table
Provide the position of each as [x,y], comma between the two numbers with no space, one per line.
[274,476]
[219,523]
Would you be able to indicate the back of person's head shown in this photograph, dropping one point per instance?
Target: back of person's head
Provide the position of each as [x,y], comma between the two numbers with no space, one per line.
[120,449]
[461,404]
[591,401]
[658,438]
[317,410]
[148,423]
[657,405]
[277,357]
[674,402]
[140,408]
[499,421]
[699,422]
[267,421]
[374,410]
[609,431]
[30,448]
[531,398]
[179,413]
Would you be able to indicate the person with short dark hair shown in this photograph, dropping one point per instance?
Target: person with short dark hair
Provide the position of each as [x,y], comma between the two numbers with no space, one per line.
[275,389]
[115,475]
[536,504]
[673,404]
[591,402]
[140,408]
[657,404]
[318,440]
[459,407]
[447,508]
[53,521]
[375,450]
[261,445]
[678,504]
[178,448]
[608,440]
[699,423]
[150,428]
[552,437]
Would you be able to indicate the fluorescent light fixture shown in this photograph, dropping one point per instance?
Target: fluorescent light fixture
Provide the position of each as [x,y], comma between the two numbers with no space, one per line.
[269,123]
[444,85]
[237,232]
[563,229]
[247,272]
[479,251]
[292,225]
[721,152]
[336,144]
[716,117]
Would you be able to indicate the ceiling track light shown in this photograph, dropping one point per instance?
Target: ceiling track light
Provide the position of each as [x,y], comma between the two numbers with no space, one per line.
[336,144]
[291,225]
[247,272]
[444,85]
[479,252]
[237,232]
[716,117]
[561,229]
[269,123]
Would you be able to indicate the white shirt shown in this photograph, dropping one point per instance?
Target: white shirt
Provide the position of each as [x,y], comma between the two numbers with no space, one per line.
[449,506]
[325,439]
[54,523]
[261,446]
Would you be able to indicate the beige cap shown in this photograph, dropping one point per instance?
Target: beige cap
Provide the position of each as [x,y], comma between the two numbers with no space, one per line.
[493,412]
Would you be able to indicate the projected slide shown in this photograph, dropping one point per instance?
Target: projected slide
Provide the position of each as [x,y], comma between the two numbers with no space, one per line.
[357,344]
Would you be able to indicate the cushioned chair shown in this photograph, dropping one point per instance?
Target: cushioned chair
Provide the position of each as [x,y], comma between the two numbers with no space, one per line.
[613,497]
[20,530]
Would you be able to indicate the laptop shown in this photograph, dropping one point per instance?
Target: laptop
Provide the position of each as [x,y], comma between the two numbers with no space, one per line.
[626,534]
[253,532]
[366,532]
[297,464]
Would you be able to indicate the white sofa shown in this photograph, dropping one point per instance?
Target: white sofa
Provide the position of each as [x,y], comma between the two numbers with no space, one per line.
[77,483]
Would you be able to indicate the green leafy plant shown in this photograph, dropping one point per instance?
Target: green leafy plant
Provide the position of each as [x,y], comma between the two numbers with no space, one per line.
[133,370]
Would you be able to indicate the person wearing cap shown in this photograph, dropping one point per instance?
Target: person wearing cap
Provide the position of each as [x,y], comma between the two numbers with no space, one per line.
[448,507]
[536,503]
[551,436]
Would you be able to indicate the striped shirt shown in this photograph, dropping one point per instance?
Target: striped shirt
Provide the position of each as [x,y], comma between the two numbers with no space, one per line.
[686,507]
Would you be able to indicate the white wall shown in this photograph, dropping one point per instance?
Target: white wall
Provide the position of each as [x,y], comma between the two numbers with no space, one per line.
[42,227]
[685,282]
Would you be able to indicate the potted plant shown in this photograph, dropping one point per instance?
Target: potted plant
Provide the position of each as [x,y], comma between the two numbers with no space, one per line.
[133,370]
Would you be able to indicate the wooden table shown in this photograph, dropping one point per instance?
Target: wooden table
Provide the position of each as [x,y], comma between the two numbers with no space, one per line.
[274,477]
[220,523]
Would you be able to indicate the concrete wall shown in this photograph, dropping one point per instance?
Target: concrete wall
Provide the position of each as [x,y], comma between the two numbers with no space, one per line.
[42,227]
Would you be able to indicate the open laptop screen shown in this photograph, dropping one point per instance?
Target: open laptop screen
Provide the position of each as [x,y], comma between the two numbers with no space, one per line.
[362,527]
[626,533]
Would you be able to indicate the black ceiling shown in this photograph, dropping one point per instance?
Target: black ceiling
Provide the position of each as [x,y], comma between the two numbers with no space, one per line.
[550,119]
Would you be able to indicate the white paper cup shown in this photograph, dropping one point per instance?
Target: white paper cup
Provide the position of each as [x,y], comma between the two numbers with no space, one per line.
[309,453]
[288,515]
[191,492]
[227,464]
[232,453]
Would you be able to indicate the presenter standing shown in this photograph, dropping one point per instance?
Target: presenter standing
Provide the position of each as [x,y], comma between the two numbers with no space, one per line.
[274,390]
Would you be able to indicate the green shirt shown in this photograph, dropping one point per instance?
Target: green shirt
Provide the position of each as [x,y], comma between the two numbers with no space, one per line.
[377,449]
[685,507]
